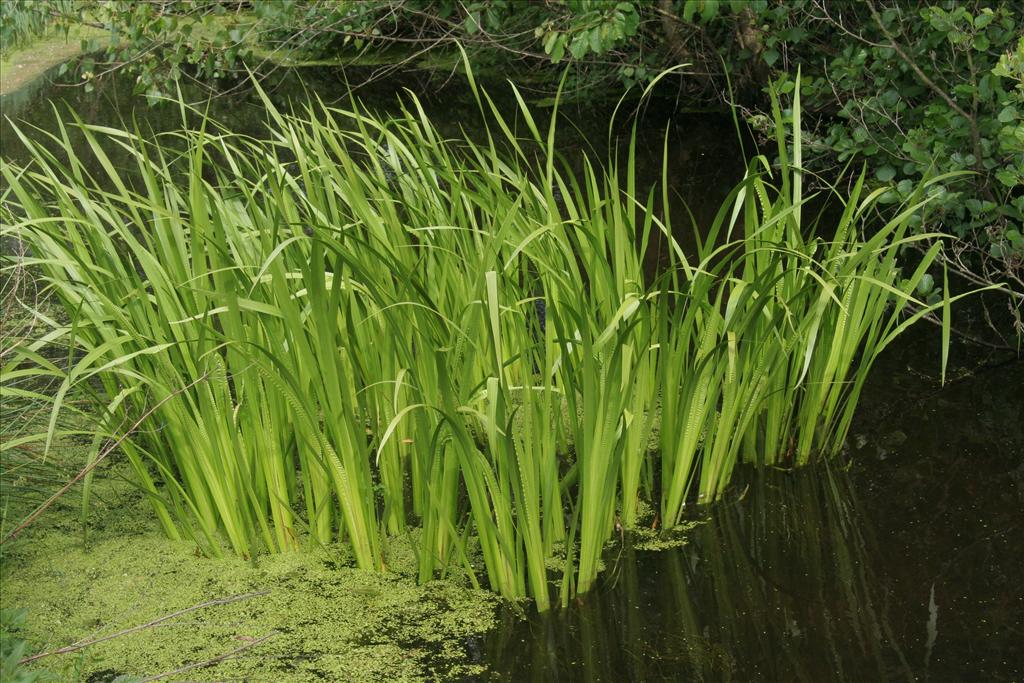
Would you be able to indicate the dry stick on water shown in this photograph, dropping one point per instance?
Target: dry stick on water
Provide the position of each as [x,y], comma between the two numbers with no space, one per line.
[210,662]
[106,451]
[133,629]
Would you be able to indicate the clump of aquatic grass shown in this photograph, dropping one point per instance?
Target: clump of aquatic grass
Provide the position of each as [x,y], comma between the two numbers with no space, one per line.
[357,326]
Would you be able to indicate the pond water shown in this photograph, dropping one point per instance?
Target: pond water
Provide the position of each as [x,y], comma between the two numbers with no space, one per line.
[903,565]
[900,562]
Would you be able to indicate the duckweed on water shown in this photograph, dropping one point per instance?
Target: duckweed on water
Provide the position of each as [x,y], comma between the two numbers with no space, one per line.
[332,621]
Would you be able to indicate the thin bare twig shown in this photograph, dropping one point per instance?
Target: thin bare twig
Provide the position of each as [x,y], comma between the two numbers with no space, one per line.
[210,662]
[82,645]
[972,121]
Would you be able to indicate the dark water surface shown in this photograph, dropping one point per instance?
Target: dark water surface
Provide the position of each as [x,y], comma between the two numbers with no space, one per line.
[903,562]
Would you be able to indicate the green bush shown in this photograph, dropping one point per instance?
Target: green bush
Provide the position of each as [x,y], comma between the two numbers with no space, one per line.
[938,90]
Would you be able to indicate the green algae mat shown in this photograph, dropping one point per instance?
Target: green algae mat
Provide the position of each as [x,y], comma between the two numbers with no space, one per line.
[289,617]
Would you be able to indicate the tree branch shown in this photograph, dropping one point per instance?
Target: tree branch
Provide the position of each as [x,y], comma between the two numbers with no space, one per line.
[923,77]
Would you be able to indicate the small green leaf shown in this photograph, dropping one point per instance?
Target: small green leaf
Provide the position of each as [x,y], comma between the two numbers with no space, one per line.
[708,10]
[926,284]
[885,173]
[549,43]
[559,49]
[689,9]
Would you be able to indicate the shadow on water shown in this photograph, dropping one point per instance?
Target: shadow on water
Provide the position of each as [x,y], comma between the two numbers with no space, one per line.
[775,586]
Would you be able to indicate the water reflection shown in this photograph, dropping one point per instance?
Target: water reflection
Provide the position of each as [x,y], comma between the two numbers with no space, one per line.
[779,585]
[905,568]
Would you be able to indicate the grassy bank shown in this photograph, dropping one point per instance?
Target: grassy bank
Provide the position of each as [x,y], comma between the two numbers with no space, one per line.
[21,66]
